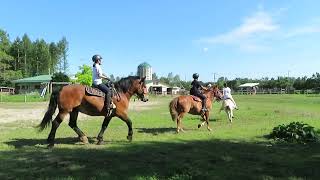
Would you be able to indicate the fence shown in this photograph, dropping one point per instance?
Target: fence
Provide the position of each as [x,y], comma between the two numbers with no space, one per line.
[277,91]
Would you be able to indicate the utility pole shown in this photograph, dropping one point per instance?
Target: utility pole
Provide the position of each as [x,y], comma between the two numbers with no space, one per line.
[214,77]
[37,66]
[25,62]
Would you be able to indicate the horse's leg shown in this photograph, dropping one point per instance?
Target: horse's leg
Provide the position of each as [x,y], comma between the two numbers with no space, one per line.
[203,122]
[73,124]
[231,113]
[228,111]
[55,124]
[179,124]
[103,128]
[207,120]
[127,120]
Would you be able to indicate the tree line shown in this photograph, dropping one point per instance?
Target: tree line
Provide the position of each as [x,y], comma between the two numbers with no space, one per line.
[289,83]
[26,58]
[300,83]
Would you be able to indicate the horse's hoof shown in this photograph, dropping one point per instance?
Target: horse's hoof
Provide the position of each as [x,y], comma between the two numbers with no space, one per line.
[199,125]
[84,140]
[100,142]
[129,138]
[50,146]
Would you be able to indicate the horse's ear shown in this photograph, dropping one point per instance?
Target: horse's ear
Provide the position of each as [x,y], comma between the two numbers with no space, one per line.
[142,80]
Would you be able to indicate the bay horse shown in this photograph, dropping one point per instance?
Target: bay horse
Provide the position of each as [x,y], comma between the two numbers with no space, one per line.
[72,99]
[181,105]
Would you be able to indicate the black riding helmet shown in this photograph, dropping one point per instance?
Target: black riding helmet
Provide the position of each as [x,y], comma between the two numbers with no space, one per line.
[195,76]
[96,57]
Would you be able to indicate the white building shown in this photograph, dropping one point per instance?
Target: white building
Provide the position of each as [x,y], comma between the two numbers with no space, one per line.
[145,70]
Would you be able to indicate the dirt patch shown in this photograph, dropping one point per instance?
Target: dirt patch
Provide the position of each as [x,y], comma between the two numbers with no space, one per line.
[141,106]
[34,112]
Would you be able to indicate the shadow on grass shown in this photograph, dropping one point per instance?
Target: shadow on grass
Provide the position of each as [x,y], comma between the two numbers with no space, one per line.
[199,119]
[20,143]
[212,159]
[156,131]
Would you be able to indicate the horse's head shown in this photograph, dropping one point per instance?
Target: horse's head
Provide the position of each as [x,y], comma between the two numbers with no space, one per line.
[140,89]
[216,92]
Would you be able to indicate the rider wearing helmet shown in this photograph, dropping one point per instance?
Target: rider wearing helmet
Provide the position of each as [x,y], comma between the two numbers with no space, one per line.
[97,76]
[227,94]
[195,90]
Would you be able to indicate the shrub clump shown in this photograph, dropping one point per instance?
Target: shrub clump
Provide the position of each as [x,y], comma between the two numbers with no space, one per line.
[294,132]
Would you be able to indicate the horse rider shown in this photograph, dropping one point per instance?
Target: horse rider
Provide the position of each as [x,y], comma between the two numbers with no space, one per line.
[195,90]
[97,76]
[227,94]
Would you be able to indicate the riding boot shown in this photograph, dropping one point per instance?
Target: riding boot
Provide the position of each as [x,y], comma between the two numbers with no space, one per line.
[107,102]
[204,105]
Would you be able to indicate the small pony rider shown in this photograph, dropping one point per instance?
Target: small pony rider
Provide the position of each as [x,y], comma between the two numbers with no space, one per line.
[227,94]
[195,90]
[97,76]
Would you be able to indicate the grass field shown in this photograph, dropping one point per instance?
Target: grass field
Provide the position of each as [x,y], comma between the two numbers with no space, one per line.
[231,151]
[34,97]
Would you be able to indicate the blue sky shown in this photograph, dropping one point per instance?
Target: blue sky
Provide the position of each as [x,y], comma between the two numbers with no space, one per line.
[254,39]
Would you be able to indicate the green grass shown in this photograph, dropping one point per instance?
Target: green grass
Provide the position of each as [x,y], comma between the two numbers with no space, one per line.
[4,98]
[230,151]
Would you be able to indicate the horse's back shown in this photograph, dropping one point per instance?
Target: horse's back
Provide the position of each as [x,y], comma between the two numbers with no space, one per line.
[71,96]
[228,104]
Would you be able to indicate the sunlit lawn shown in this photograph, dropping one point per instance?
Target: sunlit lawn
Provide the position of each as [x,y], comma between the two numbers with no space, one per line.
[231,151]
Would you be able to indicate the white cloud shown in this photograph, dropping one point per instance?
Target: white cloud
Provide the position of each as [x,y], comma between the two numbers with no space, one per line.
[205,49]
[303,30]
[259,31]
[252,27]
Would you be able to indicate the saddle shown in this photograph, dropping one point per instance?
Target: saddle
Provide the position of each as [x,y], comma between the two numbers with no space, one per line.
[196,98]
[94,91]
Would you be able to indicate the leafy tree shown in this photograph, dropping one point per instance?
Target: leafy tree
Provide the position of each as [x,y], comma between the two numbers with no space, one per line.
[170,77]
[112,78]
[154,77]
[164,80]
[85,75]
[7,72]
[16,52]
[41,57]
[63,46]
[176,80]
[54,56]
[60,77]
[27,54]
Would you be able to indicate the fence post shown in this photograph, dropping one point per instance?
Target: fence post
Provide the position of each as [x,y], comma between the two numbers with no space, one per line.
[0,97]
[25,98]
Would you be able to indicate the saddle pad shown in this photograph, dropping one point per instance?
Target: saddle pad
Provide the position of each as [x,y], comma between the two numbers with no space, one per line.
[195,98]
[94,91]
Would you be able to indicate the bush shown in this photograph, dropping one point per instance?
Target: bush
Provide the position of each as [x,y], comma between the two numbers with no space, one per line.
[60,77]
[294,132]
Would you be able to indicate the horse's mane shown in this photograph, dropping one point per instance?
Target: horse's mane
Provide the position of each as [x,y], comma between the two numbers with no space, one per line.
[124,84]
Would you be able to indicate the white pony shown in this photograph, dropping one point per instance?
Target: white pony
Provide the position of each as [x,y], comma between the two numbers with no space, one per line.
[228,106]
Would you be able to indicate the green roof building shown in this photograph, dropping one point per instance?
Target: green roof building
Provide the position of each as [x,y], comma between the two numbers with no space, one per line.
[32,84]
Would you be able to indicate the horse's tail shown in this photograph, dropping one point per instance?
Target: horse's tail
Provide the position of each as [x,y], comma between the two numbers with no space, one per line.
[51,109]
[173,109]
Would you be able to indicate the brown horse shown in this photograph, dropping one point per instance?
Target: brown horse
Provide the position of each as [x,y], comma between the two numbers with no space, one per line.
[73,99]
[181,105]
